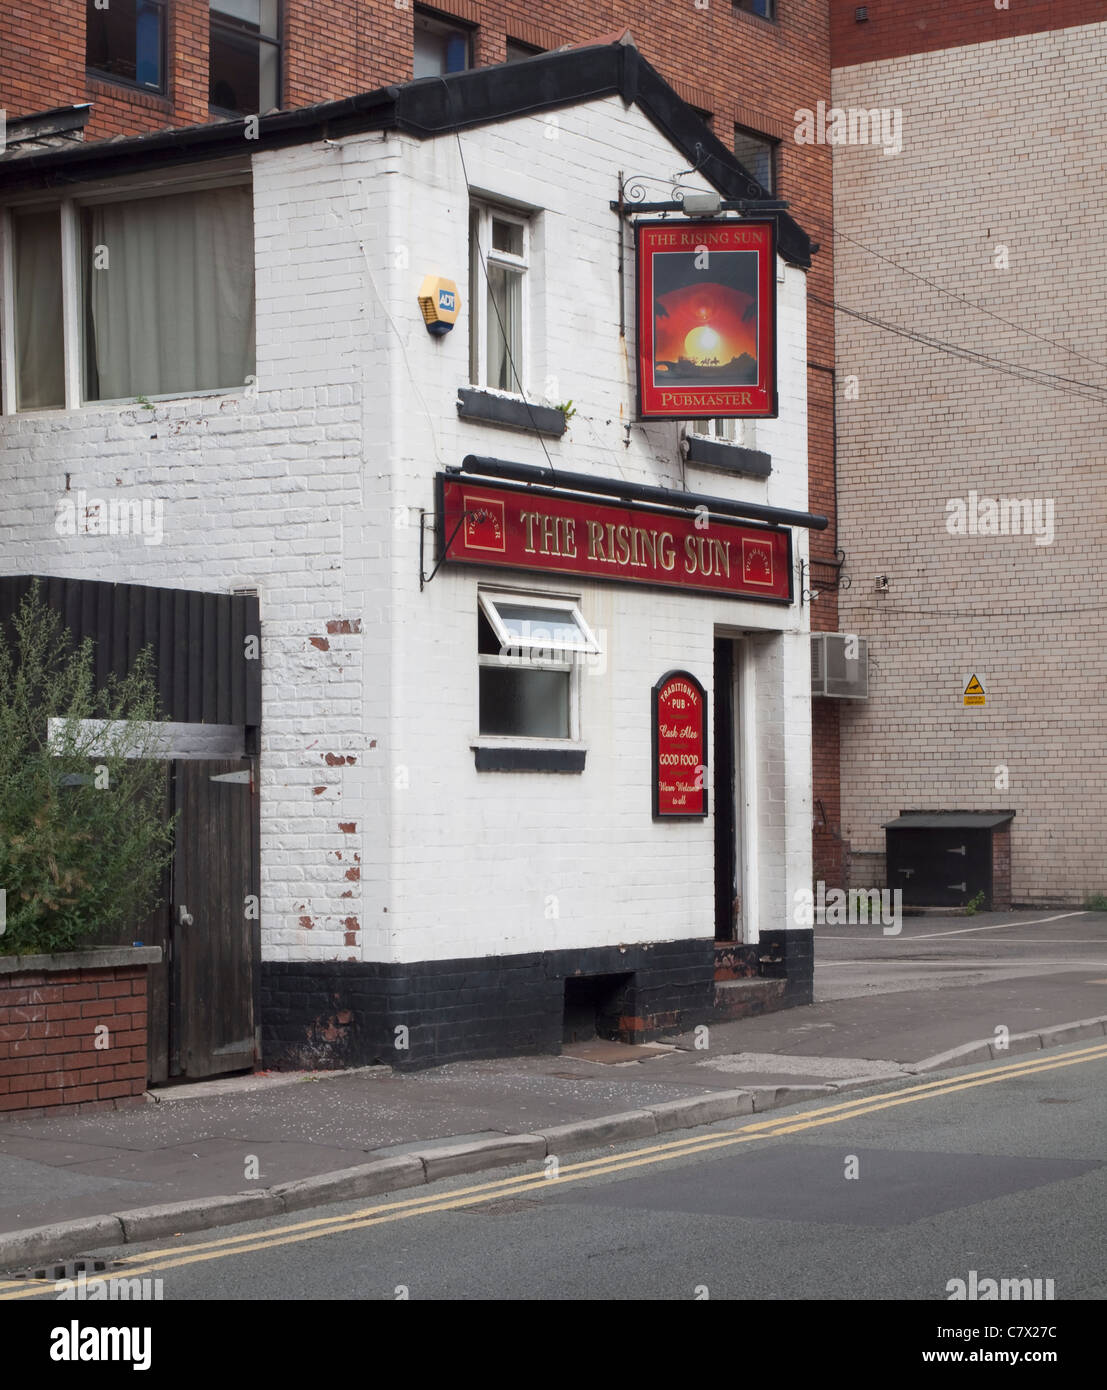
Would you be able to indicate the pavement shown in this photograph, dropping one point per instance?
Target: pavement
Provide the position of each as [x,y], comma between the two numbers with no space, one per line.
[944,993]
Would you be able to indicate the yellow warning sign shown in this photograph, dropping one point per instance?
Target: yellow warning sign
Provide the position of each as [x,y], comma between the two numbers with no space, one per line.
[974,691]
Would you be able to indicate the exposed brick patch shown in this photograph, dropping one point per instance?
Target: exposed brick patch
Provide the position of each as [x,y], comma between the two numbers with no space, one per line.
[320,643]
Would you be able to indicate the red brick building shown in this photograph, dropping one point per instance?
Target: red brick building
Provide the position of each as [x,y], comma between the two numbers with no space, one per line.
[746,65]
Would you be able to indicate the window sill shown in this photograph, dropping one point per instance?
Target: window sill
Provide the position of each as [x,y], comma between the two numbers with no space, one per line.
[519,757]
[512,412]
[726,457]
[121,87]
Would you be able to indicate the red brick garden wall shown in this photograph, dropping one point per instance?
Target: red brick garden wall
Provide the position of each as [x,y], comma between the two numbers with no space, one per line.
[49,1053]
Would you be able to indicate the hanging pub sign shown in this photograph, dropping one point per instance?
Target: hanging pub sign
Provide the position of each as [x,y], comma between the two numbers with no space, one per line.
[526,528]
[706,320]
[679,728]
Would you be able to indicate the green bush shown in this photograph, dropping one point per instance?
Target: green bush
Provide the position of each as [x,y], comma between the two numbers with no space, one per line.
[83,834]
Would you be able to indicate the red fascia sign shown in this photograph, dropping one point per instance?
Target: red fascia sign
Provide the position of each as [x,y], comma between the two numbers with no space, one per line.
[526,528]
[679,727]
[706,315]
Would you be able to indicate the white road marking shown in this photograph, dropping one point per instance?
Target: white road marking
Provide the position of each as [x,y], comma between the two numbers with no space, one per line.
[964,931]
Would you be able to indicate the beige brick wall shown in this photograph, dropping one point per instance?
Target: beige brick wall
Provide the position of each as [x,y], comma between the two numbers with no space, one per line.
[1004,145]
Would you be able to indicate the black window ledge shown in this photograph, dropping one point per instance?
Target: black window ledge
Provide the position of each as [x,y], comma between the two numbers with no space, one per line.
[529,759]
[490,409]
[728,458]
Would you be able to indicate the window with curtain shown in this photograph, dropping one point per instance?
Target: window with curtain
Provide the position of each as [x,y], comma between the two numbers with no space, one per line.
[169,294]
[39,359]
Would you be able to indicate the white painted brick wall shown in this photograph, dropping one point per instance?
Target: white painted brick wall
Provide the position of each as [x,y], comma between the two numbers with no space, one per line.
[379,839]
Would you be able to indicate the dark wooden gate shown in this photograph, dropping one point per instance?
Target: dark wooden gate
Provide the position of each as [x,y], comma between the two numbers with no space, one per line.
[203,996]
[213,920]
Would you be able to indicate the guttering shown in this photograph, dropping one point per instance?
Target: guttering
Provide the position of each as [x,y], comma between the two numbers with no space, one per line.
[477,466]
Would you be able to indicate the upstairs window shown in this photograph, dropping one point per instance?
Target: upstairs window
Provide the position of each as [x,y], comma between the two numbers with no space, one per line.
[499,261]
[725,431]
[765,8]
[37,276]
[517,50]
[141,297]
[125,40]
[245,59]
[757,155]
[442,45]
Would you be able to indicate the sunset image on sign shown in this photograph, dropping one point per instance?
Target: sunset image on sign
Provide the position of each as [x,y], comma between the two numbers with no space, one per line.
[705,323]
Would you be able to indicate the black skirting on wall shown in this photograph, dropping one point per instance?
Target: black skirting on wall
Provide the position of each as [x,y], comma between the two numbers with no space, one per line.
[332,1014]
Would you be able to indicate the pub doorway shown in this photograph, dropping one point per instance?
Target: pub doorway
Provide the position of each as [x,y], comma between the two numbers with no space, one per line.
[727,761]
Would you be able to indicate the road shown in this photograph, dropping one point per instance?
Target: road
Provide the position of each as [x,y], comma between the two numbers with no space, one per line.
[947,952]
[888,1193]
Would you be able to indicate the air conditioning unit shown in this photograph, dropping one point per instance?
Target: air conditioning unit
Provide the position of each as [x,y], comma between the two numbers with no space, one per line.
[839,665]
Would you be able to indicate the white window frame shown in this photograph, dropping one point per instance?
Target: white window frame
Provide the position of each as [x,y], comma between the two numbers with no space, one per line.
[481,255]
[724,430]
[69,210]
[551,656]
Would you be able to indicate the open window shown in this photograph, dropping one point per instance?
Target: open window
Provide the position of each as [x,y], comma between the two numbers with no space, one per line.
[529,649]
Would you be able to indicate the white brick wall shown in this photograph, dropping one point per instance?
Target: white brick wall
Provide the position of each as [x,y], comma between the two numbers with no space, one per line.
[379,839]
[1003,146]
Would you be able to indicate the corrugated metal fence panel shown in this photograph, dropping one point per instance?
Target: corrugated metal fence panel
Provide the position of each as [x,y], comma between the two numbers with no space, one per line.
[198,641]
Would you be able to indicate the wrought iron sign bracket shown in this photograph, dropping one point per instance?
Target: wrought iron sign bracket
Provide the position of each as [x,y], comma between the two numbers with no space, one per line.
[424,578]
[838,579]
[632,199]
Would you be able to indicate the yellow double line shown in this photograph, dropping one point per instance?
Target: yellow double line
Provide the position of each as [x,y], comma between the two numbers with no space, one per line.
[156,1261]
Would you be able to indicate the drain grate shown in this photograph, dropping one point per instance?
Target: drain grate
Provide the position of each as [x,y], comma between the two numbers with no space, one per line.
[67,1269]
[505,1206]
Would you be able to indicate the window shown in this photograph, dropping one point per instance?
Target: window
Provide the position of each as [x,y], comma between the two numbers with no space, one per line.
[498,260]
[517,50]
[245,60]
[765,8]
[125,40]
[158,292]
[757,156]
[37,276]
[442,45]
[726,431]
[529,675]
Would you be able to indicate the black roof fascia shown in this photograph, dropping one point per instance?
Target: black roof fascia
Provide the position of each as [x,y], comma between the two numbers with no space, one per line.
[429,107]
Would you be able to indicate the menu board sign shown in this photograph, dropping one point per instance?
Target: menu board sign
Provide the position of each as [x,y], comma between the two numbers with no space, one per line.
[679,748]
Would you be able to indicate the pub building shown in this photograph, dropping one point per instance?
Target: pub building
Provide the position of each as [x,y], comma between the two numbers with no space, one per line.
[513,471]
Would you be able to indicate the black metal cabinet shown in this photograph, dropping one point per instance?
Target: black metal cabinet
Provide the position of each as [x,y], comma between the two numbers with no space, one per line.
[943,859]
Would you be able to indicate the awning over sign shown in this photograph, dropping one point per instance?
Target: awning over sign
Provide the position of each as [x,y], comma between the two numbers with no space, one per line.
[949,820]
